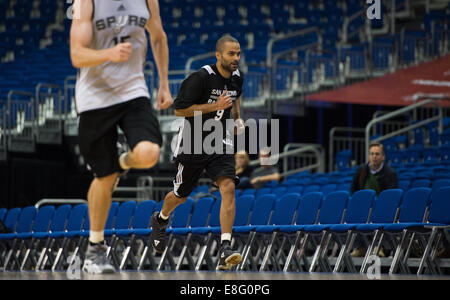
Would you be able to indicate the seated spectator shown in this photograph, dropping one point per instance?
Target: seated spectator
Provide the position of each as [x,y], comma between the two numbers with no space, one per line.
[376,174]
[243,169]
[265,173]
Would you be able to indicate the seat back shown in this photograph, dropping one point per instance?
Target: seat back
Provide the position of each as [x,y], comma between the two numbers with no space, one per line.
[414,205]
[251,191]
[359,205]
[142,214]
[60,218]
[295,189]
[111,215]
[26,219]
[262,191]
[2,213]
[262,209]
[124,214]
[311,188]
[386,206]
[214,218]
[279,191]
[308,208]
[284,210]
[438,184]
[11,218]
[244,206]
[182,213]
[328,188]
[201,212]
[404,184]
[440,207]
[76,217]
[333,206]
[43,218]
[420,183]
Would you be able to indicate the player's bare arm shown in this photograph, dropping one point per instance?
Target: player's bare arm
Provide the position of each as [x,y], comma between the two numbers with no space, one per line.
[223,102]
[81,34]
[158,42]
[236,111]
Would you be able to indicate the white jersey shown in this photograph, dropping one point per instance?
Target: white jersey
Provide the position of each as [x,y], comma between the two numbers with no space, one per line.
[111,83]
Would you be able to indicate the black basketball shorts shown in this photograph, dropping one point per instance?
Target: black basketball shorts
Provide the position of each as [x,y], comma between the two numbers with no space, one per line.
[217,165]
[98,133]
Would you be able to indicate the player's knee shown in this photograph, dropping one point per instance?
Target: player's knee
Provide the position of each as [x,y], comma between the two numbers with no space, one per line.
[147,153]
[227,186]
[105,182]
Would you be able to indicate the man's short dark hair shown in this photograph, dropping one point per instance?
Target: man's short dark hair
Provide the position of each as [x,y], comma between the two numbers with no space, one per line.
[223,40]
[376,144]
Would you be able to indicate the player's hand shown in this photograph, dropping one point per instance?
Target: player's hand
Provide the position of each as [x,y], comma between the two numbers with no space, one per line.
[224,101]
[239,127]
[164,98]
[120,53]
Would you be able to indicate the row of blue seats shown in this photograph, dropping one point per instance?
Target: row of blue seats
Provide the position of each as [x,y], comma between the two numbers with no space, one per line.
[311,213]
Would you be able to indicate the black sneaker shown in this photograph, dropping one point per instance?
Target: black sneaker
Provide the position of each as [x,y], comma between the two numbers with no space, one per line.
[228,258]
[95,261]
[158,234]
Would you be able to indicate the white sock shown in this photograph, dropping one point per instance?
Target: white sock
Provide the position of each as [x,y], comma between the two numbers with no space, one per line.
[163,216]
[122,163]
[225,237]
[96,237]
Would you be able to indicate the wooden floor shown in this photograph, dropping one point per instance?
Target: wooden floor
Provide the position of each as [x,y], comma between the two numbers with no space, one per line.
[206,275]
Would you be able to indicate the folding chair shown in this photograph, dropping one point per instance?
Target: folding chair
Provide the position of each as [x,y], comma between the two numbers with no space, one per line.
[413,209]
[261,213]
[307,213]
[244,205]
[180,219]
[11,218]
[358,211]
[81,237]
[58,224]
[123,219]
[41,223]
[385,211]
[283,214]
[62,239]
[199,218]
[436,226]
[24,225]
[331,212]
[140,225]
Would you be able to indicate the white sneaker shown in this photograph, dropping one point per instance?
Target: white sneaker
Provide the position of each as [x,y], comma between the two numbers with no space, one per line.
[96,261]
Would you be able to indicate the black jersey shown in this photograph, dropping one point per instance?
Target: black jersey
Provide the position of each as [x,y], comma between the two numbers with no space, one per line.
[202,87]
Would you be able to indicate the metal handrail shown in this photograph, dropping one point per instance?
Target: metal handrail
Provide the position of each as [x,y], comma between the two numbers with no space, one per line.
[331,142]
[187,67]
[59,201]
[315,148]
[281,37]
[346,23]
[397,113]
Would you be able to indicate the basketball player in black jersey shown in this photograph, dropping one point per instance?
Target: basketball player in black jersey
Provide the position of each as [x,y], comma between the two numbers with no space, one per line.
[212,94]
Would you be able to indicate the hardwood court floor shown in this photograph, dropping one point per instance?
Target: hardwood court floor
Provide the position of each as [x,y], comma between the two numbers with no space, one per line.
[206,275]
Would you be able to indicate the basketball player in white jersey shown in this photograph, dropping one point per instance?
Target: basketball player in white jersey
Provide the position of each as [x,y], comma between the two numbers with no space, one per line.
[108,45]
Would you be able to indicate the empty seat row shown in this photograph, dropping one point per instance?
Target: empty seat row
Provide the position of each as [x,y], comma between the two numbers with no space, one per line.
[51,237]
